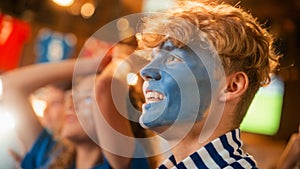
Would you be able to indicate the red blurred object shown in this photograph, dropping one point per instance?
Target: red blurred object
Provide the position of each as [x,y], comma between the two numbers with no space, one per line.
[13,35]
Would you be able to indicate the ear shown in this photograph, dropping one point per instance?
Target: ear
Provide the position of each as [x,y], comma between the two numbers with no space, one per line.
[236,85]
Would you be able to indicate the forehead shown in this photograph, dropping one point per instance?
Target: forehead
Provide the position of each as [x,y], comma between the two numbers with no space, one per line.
[165,47]
[84,86]
[85,83]
[53,93]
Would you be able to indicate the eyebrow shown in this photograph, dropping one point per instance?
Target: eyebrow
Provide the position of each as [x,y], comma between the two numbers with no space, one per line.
[167,45]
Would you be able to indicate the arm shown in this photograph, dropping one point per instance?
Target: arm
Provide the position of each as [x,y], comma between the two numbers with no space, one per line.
[290,157]
[18,84]
[110,120]
[16,156]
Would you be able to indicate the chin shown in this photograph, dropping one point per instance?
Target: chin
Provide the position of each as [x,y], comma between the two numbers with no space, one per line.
[142,123]
[153,125]
[160,130]
[148,121]
[157,129]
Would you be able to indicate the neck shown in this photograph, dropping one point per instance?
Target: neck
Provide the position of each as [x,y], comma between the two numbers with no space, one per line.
[201,133]
[188,144]
[87,155]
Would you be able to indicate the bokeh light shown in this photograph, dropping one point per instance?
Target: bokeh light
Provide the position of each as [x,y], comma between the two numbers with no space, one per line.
[6,122]
[38,106]
[132,79]
[87,10]
[63,2]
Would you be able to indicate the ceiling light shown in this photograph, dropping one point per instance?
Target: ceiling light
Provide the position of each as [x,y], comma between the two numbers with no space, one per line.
[63,2]
[87,10]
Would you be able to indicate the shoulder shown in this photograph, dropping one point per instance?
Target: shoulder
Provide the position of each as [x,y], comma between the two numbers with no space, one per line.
[38,155]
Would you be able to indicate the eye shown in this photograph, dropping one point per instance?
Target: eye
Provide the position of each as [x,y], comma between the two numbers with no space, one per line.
[88,100]
[172,59]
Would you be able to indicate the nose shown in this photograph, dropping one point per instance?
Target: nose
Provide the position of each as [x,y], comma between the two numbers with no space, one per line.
[69,105]
[150,73]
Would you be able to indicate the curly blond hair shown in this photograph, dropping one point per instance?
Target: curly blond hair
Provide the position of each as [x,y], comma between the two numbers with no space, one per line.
[240,41]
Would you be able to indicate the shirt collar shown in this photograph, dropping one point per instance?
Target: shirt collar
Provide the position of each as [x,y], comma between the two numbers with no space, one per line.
[227,147]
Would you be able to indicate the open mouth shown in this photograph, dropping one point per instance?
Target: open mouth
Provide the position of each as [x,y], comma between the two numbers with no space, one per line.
[153,97]
[70,118]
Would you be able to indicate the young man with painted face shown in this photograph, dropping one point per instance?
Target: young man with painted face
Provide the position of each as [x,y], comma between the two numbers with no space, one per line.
[207,62]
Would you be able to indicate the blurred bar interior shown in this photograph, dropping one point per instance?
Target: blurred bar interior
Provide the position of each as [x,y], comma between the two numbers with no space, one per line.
[33,31]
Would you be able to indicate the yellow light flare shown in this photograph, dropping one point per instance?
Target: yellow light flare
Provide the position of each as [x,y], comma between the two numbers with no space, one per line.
[63,2]
[132,79]
[38,106]
[87,10]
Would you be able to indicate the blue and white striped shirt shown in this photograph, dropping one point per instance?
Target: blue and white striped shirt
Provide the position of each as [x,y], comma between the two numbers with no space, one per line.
[223,152]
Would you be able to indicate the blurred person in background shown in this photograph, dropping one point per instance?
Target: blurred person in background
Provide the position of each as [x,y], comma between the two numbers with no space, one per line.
[40,144]
[52,118]
[52,111]
[290,158]
[43,150]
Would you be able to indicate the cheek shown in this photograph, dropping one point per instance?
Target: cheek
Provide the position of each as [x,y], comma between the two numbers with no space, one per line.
[173,99]
[71,128]
[59,109]
[87,122]
[170,81]
[204,84]
[82,118]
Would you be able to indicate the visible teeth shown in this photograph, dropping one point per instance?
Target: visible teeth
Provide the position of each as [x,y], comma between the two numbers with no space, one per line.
[151,101]
[152,97]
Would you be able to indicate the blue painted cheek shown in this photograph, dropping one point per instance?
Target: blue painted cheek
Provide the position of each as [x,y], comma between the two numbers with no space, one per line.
[190,99]
[183,84]
[173,98]
[164,112]
[204,86]
[182,99]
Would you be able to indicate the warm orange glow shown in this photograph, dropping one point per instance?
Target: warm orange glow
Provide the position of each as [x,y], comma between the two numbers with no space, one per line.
[132,79]
[87,10]
[63,2]
[122,24]
[38,106]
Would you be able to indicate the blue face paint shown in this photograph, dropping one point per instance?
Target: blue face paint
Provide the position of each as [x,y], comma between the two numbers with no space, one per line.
[176,87]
